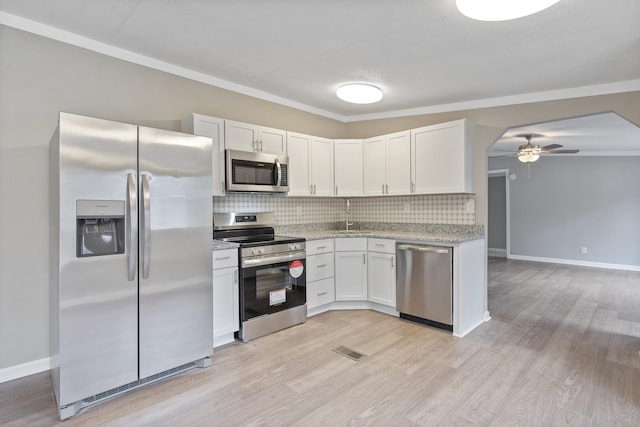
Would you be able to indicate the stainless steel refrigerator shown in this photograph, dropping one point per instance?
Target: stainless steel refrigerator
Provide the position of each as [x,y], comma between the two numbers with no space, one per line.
[131,263]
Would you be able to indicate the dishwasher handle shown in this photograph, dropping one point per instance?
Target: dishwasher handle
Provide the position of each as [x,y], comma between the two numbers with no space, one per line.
[418,248]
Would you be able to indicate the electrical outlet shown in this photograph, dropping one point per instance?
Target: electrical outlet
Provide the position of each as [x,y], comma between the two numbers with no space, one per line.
[406,208]
[299,210]
[584,249]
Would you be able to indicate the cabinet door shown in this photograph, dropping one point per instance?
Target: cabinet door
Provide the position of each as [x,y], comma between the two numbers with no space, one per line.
[273,141]
[321,159]
[298,149]
[212,127]
[374,168]
[351,276]
[440,157]
[381,274]
[348,167]
[399,163]
[240,136]
[226,310]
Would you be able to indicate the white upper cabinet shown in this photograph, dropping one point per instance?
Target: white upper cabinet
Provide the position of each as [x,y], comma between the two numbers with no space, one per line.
[322,166]
[248,137]
[375,166]
[399,163]
[212,127]
[348,167]
[441,158]
[387,164]
[299,152]
[310,165]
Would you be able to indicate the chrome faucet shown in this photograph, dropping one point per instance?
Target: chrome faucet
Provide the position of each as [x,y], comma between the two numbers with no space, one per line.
[348,212]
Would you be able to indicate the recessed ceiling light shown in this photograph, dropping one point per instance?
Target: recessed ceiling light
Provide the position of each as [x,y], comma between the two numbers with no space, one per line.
[501,10]
[359,93]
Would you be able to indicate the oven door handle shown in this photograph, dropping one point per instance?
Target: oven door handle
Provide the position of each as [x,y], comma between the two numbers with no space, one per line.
[272,259]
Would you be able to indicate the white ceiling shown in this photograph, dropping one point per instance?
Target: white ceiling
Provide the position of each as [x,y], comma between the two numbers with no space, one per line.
[424,54]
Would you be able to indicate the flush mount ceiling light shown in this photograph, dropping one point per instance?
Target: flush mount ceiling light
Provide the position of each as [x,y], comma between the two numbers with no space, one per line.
[359,93]
[501,10]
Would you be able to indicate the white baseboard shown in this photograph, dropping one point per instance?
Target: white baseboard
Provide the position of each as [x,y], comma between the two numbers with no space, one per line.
[502,253]
[24,369]
[576,262]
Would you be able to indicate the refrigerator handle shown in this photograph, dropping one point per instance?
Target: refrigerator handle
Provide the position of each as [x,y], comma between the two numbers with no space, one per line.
[145,224]
[132,232]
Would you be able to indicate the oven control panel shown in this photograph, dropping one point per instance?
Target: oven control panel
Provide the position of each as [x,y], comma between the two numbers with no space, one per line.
[296,246]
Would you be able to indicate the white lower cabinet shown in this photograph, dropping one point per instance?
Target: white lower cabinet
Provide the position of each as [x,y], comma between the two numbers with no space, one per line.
[351,269]
[226,303]
[381,271]
[320,273]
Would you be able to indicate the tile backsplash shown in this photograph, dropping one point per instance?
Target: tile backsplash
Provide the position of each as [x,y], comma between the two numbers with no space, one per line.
[436,209]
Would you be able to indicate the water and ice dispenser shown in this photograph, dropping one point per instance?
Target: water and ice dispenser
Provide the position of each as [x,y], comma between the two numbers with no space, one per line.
[99,227]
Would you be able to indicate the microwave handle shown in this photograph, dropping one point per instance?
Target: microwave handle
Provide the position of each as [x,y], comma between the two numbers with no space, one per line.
[278,173]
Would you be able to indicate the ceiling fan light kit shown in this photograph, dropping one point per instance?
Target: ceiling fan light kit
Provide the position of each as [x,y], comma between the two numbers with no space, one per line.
[359,93]
[501,10]
[528,157]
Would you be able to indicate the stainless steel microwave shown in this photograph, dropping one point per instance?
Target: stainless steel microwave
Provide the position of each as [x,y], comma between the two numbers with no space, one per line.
[256,172]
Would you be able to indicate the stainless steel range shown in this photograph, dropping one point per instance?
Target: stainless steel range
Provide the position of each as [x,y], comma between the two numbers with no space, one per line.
[273,279]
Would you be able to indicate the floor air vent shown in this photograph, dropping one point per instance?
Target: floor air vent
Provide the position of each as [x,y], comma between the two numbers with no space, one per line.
[353,355]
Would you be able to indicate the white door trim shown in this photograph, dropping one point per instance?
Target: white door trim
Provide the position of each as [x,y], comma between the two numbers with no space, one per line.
[505,173]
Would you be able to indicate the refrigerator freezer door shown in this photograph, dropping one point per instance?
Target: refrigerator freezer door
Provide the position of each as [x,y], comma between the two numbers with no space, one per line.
[176,302]
[98,305]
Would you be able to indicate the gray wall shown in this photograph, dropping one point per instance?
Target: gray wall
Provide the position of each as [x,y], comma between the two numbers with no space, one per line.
[39,77]
[497,206]
[572,202]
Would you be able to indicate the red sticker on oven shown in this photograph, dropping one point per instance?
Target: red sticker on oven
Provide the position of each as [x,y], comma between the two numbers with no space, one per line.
[296,268]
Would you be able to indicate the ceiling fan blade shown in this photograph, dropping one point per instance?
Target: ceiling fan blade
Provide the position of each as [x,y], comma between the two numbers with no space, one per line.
[562,152]
[551,147]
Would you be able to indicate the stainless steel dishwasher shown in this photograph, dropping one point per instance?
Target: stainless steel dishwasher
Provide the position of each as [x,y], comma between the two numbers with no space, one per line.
[424,284]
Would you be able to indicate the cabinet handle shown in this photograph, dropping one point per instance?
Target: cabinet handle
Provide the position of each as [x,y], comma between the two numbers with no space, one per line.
[322,293]
[322,247]
[380,244]
[223,258]
[260,145]
[311,189]
[321,265]
[235,276]
[382,188]
[413,187]
[336,190]
[392,261]
[387,188]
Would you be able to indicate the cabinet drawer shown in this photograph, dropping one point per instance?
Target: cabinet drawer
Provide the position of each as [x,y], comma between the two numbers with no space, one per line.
[320,292]
[387,246]
[225,258]
[319,246]
[319,266]
[351,244]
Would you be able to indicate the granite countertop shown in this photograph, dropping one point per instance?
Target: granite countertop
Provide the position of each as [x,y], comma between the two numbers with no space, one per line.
[219,245]
[437,233]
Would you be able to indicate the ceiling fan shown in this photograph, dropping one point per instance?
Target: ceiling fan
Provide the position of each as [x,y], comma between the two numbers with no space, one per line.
[529,152]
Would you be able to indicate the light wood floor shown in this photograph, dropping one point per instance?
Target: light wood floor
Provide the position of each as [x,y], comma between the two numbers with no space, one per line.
[561,348]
